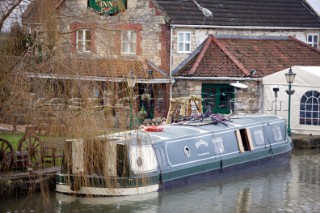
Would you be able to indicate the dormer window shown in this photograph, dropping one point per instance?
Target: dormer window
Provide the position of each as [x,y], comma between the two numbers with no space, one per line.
[83,40]
[313,40]
[128,42]
[184,42]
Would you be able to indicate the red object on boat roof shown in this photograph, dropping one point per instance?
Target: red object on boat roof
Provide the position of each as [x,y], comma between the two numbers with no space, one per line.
[153,128]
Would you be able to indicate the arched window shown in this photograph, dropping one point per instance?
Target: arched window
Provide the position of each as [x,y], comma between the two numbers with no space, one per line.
[310,108]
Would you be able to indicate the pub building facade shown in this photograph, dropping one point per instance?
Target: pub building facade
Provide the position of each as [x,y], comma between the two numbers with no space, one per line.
[184,48]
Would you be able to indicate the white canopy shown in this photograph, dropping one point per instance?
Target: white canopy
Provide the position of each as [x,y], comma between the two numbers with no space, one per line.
[303,120]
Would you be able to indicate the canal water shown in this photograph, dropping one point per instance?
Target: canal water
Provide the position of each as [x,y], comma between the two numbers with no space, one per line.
[293,188]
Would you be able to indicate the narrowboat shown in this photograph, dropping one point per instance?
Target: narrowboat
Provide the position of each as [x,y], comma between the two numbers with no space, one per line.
[153,159]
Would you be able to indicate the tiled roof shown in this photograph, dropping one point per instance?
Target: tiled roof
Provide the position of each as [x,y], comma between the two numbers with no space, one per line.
[109,68]
[237,56]
[241,13]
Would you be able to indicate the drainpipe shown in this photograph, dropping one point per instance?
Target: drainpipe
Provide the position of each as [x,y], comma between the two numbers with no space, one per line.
[170,65]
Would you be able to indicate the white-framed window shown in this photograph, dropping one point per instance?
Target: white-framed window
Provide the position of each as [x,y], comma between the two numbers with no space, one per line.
[184,42]
[83,40]
[128,42]
[313,40]
[277,133]
[218,144]
[310,108]
[259,136]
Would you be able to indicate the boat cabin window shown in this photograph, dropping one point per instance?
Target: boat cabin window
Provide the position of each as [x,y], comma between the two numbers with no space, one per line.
[244,140]
[218,144]
[225,143]
[258,136]
[277,134]
[122,161]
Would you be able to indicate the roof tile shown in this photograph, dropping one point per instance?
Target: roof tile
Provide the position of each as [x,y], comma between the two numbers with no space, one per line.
[266,55]
[109,68]
[280,13]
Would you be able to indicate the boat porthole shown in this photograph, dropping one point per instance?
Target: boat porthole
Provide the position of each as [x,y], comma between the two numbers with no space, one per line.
[139,161]
[186,151]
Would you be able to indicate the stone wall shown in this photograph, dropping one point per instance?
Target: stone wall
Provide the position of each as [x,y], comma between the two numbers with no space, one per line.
[246,100]
[140,15]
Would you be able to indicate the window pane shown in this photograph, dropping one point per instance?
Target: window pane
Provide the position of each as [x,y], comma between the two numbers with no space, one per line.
[308,114]
[187,47]
[315,114]
[133,47]
[88,46]
[315,122]
[308,122]
[277,133]
[258,136]
[180,37]
[80,34]
[309,94]
[218,145]
[133,36]
[125,36]
[187,37]
[79,45]
[310,38]
[315,39]
[315,107]
[303,99]
[180,46]
[88,35]
[125,47]
[308,107]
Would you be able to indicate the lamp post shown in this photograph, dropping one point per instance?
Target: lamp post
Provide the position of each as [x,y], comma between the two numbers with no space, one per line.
[290,77]
[131,81]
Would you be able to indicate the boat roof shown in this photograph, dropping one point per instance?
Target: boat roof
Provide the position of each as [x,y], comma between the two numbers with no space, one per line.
[185,129]
[191,128]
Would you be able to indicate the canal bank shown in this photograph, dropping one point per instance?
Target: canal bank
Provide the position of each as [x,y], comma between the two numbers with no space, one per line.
[306,141]
[19,183]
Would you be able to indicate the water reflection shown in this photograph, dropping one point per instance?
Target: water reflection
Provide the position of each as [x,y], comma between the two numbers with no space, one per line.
[294,188]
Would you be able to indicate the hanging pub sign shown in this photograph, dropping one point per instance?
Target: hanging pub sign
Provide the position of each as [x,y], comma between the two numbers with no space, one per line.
[109,7]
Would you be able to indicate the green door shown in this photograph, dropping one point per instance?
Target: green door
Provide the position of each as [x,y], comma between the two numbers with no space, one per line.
[217,97]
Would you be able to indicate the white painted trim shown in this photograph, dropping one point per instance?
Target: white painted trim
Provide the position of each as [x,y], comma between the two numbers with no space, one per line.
[171,46]
[244,27]
[94,78]
[184,42]
[218,78]
[107,191]
[313,36]
[129,34]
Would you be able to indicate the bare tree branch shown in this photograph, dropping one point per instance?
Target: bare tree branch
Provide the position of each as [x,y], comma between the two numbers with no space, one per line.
[6,8]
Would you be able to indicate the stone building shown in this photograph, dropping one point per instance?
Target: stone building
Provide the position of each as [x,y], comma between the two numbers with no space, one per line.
[162,36]
[208,69]
[105,41]
[238,59]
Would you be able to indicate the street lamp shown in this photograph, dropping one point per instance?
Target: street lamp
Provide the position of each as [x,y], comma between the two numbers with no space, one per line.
[290,77]
[131,81]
